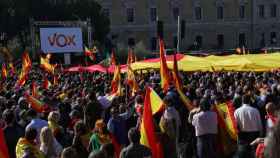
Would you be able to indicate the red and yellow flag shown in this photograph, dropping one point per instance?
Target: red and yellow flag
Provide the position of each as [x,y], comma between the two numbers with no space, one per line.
[46,83]
[12,69]
[116,82]
[4,153]
[113,58]
[55,80]
[147,130]
[4,73]
[227,126]
[26,66]
[44,63]
[36,104]
[131,80]
[89,54]
[156,101]
[164,73]
[178,84]
[34,91]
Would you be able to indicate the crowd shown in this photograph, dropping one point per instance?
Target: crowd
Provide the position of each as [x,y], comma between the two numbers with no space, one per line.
[82,121]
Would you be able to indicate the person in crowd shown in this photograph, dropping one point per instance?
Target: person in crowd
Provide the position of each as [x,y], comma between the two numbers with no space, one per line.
[206,128]
[117,126]
[49,145]
[81,139]
[135,149]
[12,132]
[35,122]
[53,120]
[100,137]
[109,150]
[92,110]
[26,146]
[249,126]
[69,152]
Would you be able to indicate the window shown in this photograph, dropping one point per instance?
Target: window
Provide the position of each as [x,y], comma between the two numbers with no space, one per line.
[197,11]
[153,14]
[131,42]
[262,42]
[220,12]
[175,13]
[198,41]
[153,43]
[130,14]
[261,11]
[242,11]
[242,39]
[273,10]
[273,38]
[106,12]
[220,40]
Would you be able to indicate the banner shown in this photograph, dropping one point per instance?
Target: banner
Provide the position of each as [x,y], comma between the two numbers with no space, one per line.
[60,40]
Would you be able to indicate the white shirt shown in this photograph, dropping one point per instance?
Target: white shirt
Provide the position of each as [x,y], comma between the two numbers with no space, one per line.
[205,123]
[248,119]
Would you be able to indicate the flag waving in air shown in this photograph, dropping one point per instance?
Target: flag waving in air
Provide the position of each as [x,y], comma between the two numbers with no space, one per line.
[4,73]
[113,58]
[46,83]
[178,85]
[34,91]
[89,54]
[164,73]
[131,80]
[12,69]
[45,64]
[36,104]
[147,129]
[116,82]
[26,66]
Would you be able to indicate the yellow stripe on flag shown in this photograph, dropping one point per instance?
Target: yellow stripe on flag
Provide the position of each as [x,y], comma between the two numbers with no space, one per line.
[156,102]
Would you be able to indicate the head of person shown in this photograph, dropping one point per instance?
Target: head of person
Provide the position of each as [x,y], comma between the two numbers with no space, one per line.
[98,154]
[168,102]
[69,152]
[270,108]
[246,99]
[54,116]
[8,116]
[108,149]
[134,136]
[30,134]
[31,114]
[80,128]
[273,141]
[114,112]
[138,99]
[205,104]
[100,127]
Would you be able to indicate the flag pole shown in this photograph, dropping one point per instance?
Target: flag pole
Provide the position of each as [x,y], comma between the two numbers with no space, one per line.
[178,34]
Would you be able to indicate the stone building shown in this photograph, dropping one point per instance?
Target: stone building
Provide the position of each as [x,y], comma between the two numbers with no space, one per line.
[209,24]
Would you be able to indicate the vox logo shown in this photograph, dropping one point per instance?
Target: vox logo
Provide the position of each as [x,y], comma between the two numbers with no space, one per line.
[61,40]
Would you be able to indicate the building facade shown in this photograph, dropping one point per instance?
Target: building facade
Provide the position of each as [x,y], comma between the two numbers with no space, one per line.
[207,24]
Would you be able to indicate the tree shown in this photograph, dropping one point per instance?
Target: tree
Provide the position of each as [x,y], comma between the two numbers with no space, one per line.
[15,16]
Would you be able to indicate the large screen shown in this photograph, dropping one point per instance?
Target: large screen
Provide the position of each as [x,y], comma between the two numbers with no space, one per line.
[61,40]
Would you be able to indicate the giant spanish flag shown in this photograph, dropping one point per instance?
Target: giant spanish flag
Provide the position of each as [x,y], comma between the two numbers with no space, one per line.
[4,153]
[227,126]
[36,104]
[44,63]
[148,135]
[4,73]
[178,85]
[116,82]
[164,73]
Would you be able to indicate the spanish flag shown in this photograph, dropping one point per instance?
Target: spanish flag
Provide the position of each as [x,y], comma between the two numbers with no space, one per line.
[89,54]
[12,69]
[55,80]
[113,58]
[156,102]
[36,104]
[34,91]
[178,85]
[26,62]
[227,126]
[46,65]
[4,153]
[116,82]
[21,79]
[147,129]
[131,80]
[46,83]
[4,73]
[164,73]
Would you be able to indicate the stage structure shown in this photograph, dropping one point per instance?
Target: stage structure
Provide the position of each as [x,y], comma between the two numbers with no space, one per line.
[36,28]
